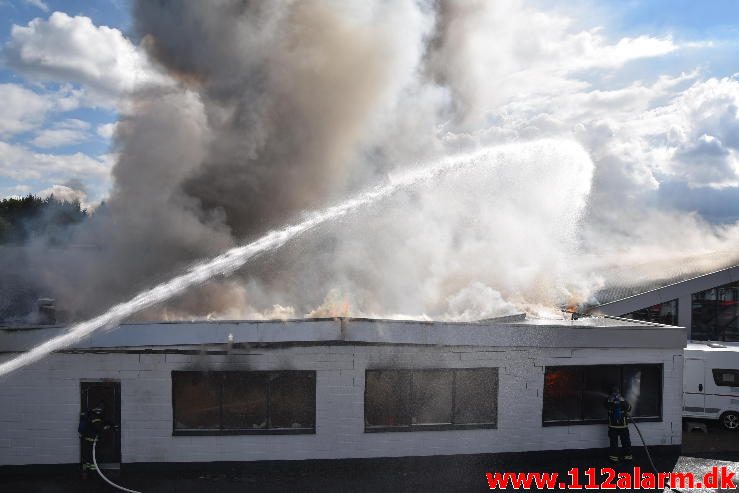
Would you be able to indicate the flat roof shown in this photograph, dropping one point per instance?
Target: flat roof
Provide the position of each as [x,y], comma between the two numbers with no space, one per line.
[713,346]
[600,332]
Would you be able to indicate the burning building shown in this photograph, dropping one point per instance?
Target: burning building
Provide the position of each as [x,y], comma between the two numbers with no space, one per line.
[188,393]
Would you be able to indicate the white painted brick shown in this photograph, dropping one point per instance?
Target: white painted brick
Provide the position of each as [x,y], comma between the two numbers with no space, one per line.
[46,416]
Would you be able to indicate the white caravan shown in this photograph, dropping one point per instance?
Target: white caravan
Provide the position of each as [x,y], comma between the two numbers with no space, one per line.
[711,382]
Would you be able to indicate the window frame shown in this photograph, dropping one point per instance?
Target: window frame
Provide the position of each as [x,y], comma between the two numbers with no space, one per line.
[716,371]
[431,427]
[600,421]
[220,431]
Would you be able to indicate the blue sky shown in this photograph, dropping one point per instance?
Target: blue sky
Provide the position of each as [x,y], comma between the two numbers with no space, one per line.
[113,13]
[55,134]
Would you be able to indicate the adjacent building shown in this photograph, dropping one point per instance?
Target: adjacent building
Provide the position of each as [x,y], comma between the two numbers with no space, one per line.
[707,304]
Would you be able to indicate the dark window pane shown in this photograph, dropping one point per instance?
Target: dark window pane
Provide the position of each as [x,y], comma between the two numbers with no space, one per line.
[599,381]
[562,393]
[573,394]
[432,397]
[244,400]
[726,378]
[726,316]
[387,398]
[292,400]
[425,399]
[661,313]
[642,388]
[731,334]
[249,401]
[476,396]
[196,401]
[715,313]
[703,313]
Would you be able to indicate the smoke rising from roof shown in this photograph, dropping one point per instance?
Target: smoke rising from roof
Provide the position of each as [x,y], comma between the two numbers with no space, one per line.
[275,108]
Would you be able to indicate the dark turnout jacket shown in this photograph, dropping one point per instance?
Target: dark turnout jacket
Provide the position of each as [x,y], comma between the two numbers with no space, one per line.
[91,425]
[618,408]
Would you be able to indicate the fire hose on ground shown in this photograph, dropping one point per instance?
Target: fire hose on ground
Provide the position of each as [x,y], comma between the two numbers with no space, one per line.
[638,431]
[97,468]
[646,449]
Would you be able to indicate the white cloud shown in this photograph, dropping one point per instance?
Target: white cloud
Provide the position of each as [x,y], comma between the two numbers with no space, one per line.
[590,50]
[693,138]
[21,164]
[58,137]
[38,3]
[63,133]
[73,123]
[22,110]
[14,191]
[707,161]
[74,50]
[67,98]
[107,130]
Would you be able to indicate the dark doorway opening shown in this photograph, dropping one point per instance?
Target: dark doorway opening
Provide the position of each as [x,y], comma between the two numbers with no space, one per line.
[108,450]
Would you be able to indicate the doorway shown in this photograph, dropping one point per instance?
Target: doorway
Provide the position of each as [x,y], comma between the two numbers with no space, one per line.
[108,449]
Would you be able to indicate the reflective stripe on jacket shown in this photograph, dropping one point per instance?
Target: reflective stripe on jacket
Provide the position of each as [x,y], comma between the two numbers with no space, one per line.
[618,408]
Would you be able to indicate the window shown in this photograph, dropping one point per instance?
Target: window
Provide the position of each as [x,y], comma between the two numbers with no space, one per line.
[577,394]
[412,400]
[243,402]
[661,313]
[715,314]
[726,378]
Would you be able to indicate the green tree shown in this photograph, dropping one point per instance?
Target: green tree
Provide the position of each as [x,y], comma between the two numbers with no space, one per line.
[22,219]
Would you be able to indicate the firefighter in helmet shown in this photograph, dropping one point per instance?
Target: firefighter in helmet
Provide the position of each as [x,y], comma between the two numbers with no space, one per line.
[92,424]
[618,426]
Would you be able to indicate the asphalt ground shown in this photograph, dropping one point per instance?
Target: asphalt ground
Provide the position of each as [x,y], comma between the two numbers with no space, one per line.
[717,443]
[437,474]
[450,474]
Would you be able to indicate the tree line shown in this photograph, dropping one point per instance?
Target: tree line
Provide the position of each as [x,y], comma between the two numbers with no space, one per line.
[24,218]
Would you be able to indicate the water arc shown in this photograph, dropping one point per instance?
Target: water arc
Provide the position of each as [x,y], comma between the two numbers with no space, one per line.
[237,257]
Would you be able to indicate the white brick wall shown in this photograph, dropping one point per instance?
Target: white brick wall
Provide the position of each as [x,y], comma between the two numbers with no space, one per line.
[39,405]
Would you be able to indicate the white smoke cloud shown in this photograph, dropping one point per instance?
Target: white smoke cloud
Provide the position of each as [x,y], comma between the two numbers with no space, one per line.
[72,191]
[493,53]
[284,107]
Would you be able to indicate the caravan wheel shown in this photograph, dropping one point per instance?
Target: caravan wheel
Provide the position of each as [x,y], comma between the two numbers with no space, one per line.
[730,420]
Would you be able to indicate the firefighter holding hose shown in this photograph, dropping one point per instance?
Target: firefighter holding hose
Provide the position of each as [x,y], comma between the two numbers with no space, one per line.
[618,426]
[92,424]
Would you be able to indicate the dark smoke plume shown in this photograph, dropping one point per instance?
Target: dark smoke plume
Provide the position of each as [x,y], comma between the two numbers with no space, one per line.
[264,120]
[274,108]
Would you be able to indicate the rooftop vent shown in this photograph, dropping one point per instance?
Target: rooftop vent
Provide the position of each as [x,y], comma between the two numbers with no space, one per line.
[46,311]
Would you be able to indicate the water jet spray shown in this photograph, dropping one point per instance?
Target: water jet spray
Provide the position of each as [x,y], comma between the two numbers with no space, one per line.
[237,257]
